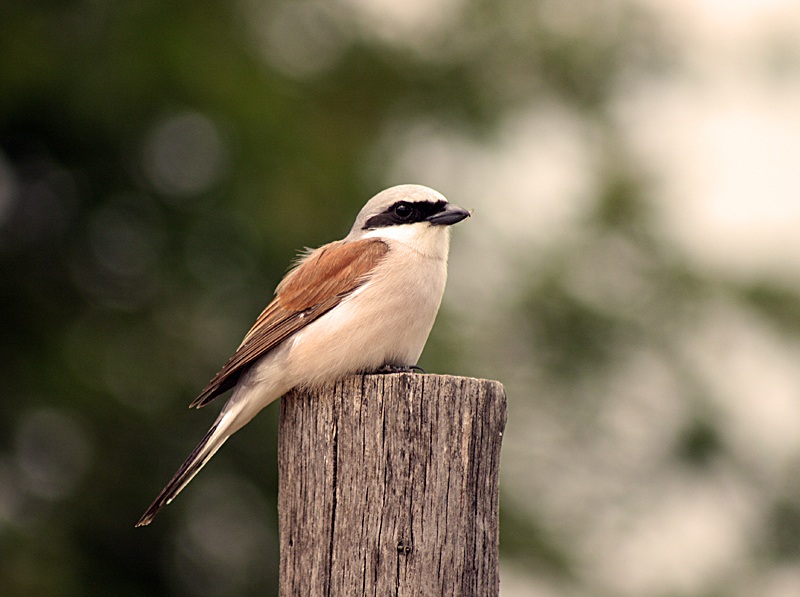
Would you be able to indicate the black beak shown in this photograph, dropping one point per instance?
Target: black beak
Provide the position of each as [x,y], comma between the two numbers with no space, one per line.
[451,214]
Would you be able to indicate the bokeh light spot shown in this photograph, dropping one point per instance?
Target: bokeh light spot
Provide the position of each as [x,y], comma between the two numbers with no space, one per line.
[300,39]
[52,452]
[227,538]
[184,155]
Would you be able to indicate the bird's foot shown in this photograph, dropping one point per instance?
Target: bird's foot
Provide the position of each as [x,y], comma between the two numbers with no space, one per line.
[399,369]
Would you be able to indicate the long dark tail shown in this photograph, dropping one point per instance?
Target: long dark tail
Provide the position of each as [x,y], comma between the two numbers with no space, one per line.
[207,447]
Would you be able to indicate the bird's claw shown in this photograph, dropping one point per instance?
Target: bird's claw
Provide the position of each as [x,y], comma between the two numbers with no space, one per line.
[399,369]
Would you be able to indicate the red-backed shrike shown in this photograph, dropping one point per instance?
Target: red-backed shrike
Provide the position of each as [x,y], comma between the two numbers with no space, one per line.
[362,304]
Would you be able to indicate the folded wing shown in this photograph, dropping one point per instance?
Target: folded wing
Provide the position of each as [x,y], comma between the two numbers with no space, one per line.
[318,283]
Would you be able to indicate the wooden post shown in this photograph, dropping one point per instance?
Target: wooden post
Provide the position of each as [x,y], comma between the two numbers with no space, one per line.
[389,486]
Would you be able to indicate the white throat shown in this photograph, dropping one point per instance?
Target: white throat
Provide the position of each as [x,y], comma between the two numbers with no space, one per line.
[427,240]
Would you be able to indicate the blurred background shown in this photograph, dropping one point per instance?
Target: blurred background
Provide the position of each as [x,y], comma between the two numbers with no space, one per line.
[630,273]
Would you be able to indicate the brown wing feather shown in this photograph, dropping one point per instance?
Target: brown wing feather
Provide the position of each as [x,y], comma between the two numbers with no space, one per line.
[310,290]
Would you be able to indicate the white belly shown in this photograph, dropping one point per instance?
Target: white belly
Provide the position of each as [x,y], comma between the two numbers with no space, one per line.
[386,321]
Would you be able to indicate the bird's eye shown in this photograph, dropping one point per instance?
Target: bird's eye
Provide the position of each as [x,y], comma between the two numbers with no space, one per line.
[403,211]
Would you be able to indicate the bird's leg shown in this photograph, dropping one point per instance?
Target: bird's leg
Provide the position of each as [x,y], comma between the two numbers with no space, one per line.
[399,369]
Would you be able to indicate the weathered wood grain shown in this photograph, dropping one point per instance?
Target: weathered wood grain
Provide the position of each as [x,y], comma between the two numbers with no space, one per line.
[389,486]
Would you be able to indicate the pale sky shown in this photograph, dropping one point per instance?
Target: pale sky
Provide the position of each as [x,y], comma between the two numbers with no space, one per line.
[725,137]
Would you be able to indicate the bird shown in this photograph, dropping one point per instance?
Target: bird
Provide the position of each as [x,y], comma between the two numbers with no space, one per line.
[362,304]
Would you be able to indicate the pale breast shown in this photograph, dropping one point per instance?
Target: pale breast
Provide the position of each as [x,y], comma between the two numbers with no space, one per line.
[386,321]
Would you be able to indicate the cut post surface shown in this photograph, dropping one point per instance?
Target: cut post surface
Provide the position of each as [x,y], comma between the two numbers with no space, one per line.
[389,486]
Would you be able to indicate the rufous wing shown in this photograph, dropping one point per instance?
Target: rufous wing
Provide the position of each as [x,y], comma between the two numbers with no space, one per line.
[319,282]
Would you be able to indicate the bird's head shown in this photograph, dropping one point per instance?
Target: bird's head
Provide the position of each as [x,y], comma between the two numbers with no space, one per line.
[411,214]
